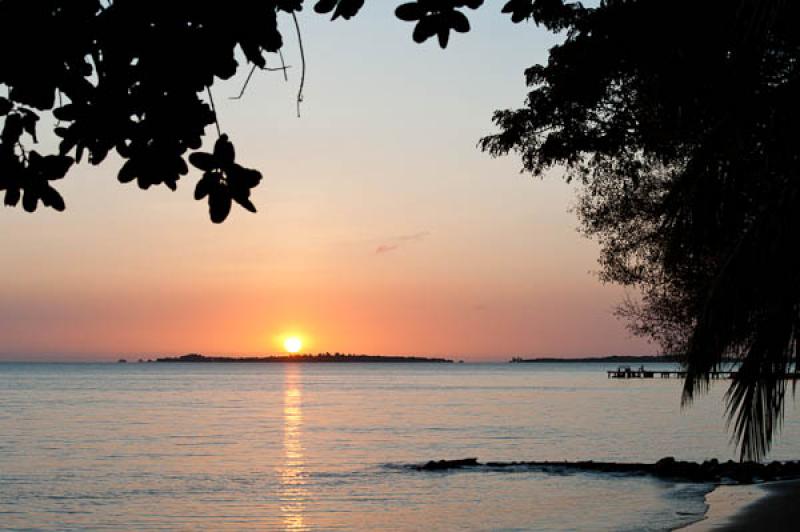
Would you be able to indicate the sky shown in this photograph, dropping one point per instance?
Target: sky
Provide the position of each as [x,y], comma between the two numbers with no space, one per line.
[381,227]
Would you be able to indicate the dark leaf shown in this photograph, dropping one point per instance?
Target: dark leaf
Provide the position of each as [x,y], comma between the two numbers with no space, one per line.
[444,35]
[238,176]
[219,204]
[51,198]
[12,130]
[246,203]
[347,9]
[66,113]
[325,6]
[12,196]
[290,6]
[202,188]
[458,21]
[66,145]
[35,160]
[203,161]
[409,12]
[128,171]
[519,9]
[29,200]
[181,166]
[40,95]
[424,30]
[344,8]
[123,150]
[223,152]
[56,166]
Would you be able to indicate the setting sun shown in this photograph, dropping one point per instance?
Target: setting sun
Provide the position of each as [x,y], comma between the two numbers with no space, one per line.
[292,344]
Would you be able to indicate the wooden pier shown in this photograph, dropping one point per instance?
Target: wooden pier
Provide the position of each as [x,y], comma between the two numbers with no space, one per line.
[625,372]
[642,373]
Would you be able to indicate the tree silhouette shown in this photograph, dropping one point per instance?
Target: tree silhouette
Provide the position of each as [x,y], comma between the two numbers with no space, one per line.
[676,117]
[679,121]
[135,77]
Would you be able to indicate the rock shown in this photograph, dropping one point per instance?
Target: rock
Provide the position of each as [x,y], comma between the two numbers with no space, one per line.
[708,471]
[773,470]
[442,465]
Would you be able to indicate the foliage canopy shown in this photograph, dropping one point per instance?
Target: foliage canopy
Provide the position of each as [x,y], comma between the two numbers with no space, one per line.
[134,77]
[679,120]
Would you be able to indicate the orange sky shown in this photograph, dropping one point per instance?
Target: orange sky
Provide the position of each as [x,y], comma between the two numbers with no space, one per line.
[381,228]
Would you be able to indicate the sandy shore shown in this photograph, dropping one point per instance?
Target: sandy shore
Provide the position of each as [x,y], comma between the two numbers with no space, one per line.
[769,506]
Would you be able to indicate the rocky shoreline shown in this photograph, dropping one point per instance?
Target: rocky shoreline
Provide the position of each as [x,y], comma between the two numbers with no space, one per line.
[667,468]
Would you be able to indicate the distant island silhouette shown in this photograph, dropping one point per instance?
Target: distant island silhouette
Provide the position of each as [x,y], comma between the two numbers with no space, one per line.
[614,359]
[318,358]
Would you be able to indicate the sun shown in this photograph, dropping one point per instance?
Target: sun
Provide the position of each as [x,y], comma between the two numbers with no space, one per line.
[292,344]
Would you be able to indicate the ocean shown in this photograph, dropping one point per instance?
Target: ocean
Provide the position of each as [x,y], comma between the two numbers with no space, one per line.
[328,446]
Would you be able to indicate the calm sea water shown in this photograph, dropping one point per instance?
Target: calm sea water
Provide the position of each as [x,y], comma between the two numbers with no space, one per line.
[322,447]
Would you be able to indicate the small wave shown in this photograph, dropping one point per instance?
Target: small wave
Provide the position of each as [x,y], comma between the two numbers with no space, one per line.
[509,467]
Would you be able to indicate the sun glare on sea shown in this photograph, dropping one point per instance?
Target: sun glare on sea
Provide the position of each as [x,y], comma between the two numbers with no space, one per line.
[292,344]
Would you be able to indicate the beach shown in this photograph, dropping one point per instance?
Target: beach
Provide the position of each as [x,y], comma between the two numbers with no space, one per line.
[768,506]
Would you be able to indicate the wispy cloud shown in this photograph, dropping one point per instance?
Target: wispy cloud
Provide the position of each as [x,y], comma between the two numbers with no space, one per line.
[396,242]
[385,248]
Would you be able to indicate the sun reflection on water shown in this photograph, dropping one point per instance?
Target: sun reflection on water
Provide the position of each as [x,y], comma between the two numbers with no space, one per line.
[293,490]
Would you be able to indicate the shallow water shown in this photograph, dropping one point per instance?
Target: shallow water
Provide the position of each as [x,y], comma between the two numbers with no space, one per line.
[299,447]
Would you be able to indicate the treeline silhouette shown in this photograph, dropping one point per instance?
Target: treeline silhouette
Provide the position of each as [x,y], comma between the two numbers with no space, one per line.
[318,358]
[658,359]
